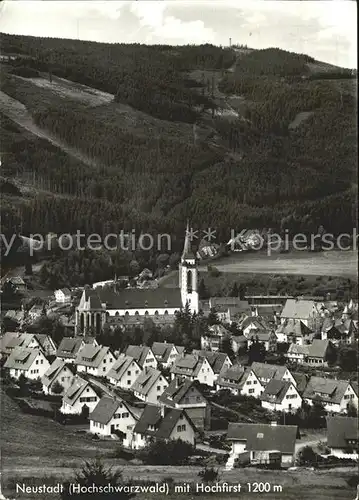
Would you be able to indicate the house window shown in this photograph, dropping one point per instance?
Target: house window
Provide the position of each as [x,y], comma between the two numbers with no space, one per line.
[129,372]
[250,391]
[181,428]
[128,382]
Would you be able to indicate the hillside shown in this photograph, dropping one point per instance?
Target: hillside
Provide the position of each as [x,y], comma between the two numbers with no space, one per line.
[145,136]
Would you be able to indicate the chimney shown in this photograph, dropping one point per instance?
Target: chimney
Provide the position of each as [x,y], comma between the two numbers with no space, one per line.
[273,423]
[162,411]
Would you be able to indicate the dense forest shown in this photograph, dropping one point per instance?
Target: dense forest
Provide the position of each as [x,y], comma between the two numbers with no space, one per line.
[257,170]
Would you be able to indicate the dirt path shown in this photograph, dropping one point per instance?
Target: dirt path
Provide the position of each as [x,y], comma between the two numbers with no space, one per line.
[17,112]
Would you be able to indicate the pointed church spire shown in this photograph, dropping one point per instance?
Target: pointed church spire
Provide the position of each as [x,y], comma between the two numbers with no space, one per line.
[187,247]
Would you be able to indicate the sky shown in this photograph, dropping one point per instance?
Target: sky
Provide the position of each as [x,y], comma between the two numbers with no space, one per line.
[326,30]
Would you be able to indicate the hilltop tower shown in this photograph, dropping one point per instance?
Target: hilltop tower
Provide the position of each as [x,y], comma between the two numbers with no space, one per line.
[188,275]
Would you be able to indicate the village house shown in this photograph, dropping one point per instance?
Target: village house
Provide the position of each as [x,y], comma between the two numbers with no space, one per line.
[31,363]
[70,347]
[306,311]
[96,360]
[249,325]
[335,395]
[319,352]
[80,397]
[30,341]
[143,355]
[194,367]
[35,313]
[111,416]
[339,330]
[281,396]
[16,316]
[267,338]
[59,372]
[165,353]
[259,444]
[17,283]
[297,353]
[294,331]
[186,395]
[240,380]
[213,340]
[313,354]
[149,385]
[238,343]
[162,423]
[124,372]
[266,372]
[219,361]
[8,342]
[343,437]
[63,296]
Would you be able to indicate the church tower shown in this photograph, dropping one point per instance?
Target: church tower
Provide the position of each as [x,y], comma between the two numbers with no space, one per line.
[188,275]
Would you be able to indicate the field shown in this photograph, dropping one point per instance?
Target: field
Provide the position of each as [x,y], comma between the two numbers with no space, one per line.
[36,450]
[331,263]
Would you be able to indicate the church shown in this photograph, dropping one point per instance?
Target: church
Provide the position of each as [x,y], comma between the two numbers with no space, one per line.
[132,305]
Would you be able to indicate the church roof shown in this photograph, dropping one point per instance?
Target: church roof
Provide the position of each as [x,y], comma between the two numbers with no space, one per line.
[138,298]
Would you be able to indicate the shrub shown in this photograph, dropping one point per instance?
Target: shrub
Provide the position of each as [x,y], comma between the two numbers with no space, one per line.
[57,388]
[172,452]
[25,72]
[209,474]
[307,456]
[96,474]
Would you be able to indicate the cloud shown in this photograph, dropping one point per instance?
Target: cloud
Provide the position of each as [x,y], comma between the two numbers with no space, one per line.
[324,29]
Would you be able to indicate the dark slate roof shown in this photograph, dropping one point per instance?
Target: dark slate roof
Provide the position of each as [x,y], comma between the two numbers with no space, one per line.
[176,391]
[340,430]
[90,299]
[234,377]
[329,390]
[264,437]
[295,327]
[54,370]
[318,348]
[215,359]
[268,371]
[106,409]
[146,380]
[301,380]
[92,355]
[121,366]
[187,364]
[69,347]
[163,426]
[275,391]
[140,298]
[138,353]
[162,350]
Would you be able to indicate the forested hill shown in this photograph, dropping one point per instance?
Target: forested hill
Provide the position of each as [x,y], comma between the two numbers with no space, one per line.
[231,138]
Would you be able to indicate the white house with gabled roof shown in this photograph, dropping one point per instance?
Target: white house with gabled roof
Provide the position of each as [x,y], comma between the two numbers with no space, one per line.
[149,385]
[31,363]
[124,372]
[194,367]
[95,360]
[281,396]
[112,415]
[59,372]
[80,394]
[240,380]
[335,395]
